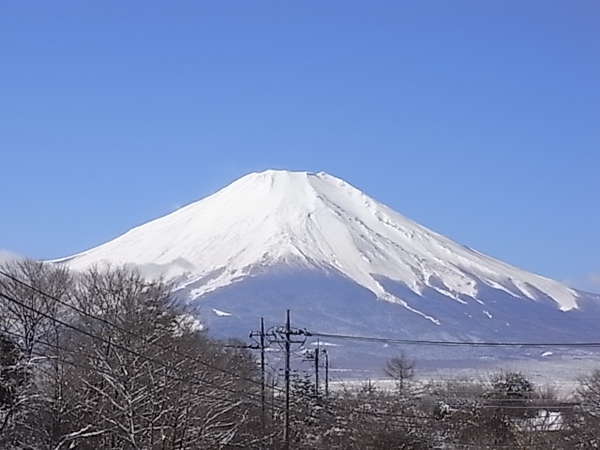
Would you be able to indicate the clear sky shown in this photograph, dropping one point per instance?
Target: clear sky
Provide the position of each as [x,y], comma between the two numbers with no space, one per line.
[480,120]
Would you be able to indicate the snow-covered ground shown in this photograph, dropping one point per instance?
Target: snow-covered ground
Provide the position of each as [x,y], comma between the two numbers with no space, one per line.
[562,376]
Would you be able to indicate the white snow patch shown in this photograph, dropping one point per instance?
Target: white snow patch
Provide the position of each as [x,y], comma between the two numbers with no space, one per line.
[220,313]
[324,344]
[189,323]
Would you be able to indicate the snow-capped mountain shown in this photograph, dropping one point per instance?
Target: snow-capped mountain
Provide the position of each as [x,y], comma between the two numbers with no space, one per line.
[341,260]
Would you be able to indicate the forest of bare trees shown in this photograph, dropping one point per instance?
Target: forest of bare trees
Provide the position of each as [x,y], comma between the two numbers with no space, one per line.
[105,360]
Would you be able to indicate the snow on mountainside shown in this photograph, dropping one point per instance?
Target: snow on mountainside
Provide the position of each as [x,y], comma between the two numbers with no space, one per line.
[315,221]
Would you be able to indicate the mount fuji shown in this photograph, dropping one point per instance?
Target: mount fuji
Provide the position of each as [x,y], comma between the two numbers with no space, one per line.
[343,263]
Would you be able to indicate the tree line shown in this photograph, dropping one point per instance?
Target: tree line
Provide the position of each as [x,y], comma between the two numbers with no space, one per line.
[106,360]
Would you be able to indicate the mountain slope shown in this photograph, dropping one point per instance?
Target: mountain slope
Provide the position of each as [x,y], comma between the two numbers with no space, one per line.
[315,221]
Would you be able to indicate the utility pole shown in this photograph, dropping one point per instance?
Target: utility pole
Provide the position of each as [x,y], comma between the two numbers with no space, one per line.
[262,371]
[286,431]
[285,334]
[326,372]
[316,356]
[273,380]
[317,350]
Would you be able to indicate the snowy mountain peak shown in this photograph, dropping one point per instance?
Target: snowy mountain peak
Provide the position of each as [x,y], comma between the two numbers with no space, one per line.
[319,222]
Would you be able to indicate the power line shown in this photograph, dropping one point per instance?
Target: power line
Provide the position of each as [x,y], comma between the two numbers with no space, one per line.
[449,343]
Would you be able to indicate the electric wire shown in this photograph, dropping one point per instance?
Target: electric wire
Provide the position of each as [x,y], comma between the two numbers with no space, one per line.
[450,343]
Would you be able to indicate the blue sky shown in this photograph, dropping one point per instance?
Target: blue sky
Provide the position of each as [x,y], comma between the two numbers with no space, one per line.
[477,119]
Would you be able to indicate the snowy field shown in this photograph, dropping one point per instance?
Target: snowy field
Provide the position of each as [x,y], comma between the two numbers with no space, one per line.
[561,375]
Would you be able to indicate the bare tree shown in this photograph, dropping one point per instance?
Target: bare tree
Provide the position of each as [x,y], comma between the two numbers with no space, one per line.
[32,286]
[401,368]
[13,383]
[139,378]
[371,418]
[28,310]
[583,424]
